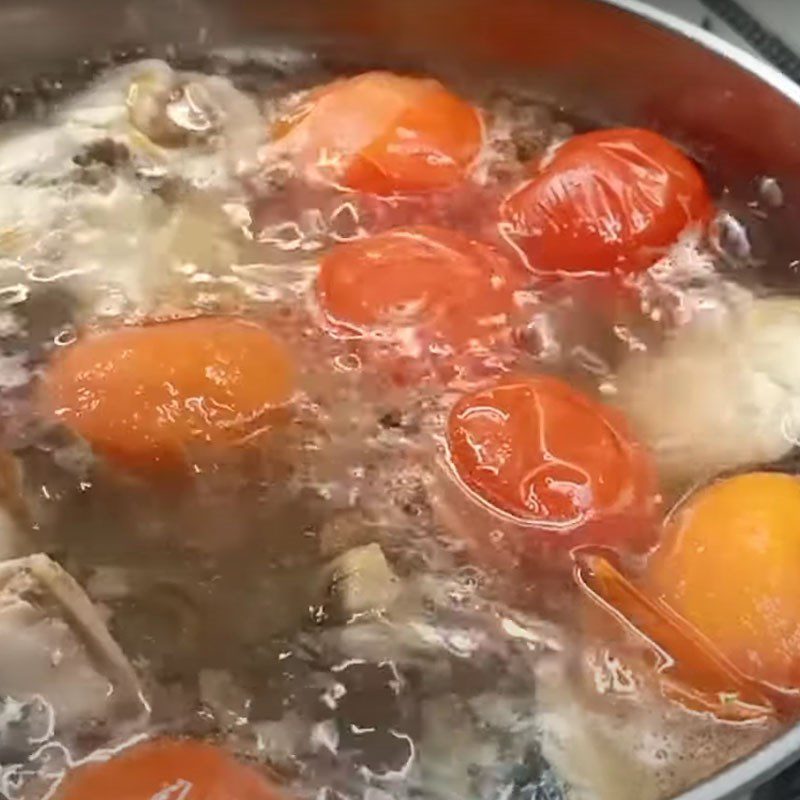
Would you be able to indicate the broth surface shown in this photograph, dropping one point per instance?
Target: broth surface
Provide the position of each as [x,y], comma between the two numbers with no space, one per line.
[312,599]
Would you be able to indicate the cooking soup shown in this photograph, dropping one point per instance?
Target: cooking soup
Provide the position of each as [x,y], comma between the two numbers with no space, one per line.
[383,435]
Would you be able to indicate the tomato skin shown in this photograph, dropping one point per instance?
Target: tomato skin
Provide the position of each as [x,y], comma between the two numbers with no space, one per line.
[383,133]
[610,200]
[553,459]
[141,395]
[162,767]
[658,647]
[729,564]
[448,290]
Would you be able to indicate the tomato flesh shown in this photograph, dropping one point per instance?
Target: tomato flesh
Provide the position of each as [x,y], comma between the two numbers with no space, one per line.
[452,291]
[729,565]
[612,200]
[383,133]
[141,395]
[551,457]
[167,768]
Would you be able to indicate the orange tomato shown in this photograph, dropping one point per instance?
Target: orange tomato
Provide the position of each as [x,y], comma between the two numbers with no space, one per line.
[553,458]
[730,566]
[687,665]
[450,290]
[607,200]
[383,133]
[168,768]
[141,395]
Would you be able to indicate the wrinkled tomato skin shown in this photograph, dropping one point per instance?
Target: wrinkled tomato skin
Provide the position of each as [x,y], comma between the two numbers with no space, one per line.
[419,292]
[383,134]
[557,465]
[606,201]
[167,767]
[144,395]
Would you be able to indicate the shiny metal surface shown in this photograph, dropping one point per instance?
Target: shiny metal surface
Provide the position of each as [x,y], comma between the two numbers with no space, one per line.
[616,61]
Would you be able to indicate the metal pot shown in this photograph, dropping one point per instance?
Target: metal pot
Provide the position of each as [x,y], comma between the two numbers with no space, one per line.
[613,61]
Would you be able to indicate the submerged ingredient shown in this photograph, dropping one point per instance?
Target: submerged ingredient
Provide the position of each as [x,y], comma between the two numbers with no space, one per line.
[143,395]
[554,459]
[718,604]
[729,564]
[423,288]
[721,393]
[168,768]
[59,657]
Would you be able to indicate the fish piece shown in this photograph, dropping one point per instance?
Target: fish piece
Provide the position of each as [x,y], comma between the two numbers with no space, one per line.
[719,395]
[56,648]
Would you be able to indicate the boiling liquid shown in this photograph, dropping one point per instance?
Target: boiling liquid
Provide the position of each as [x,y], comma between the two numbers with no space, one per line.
[469,686]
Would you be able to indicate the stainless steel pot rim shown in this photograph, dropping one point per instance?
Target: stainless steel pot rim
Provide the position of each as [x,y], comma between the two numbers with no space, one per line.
[710,41]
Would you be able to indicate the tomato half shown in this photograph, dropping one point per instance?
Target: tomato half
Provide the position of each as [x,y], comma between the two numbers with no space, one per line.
[383,133]
[168,768]
[607,200]
[141,395]
[553,458]
[447,290]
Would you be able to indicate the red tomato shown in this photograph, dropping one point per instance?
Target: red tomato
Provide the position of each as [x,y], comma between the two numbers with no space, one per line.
[141,395]
[447,290]
[168,768]
[384,133]
[552,458]
[608,200]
